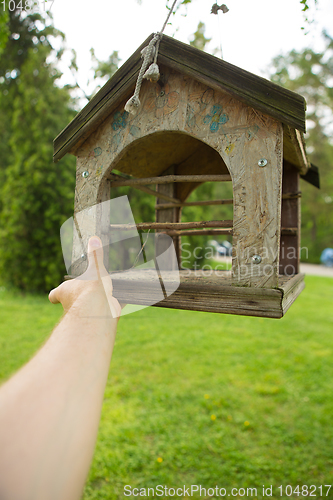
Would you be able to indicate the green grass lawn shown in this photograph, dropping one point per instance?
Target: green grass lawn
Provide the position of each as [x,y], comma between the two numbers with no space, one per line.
[205,399]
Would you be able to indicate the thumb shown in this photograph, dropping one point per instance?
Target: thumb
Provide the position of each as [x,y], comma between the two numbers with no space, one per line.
[95,257]
[53,296]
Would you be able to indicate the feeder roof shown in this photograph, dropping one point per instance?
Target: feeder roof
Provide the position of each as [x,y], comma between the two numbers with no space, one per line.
[259,93]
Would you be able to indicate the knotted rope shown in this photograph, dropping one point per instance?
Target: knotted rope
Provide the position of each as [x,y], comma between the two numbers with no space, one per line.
[149,55]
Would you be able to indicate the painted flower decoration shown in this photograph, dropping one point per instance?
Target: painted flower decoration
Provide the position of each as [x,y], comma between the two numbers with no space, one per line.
[96,152]
[216,118]
[162,102]
[119,120]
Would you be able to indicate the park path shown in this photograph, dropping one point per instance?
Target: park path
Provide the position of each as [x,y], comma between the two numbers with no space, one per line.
[316,270]
[310,269]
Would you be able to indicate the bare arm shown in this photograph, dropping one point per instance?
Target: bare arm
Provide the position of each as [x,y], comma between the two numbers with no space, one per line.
[50,410]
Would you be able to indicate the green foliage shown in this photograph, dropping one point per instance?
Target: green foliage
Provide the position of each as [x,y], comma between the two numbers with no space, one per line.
[36,195]
[306,9]
[4,31]
[199,40]
[310,73]
[267,382]
[103,70]
[196,250]
[306,5]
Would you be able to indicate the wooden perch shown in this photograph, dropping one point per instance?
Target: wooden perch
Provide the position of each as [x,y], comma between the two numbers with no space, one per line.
[290,231]
[291,196]
[166,179]
[173,225]
[162,206]
[199,232]
[147,190]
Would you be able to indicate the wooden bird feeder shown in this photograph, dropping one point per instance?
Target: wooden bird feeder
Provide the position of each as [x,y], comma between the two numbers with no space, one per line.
[204,120]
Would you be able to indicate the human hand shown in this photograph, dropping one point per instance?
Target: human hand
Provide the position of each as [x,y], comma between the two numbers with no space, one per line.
[90,294]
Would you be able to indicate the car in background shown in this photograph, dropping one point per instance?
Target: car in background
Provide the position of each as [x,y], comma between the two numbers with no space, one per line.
[326,257]
[223,249]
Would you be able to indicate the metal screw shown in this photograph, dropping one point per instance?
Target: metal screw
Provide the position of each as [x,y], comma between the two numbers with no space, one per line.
[162,93]
[85,174]
[256,259]
[263,162]
[83,256]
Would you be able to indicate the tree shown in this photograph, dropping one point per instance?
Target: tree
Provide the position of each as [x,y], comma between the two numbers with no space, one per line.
[102,72]
[4,32]
[306,6]
[36,195]
[310,74]
[199,40]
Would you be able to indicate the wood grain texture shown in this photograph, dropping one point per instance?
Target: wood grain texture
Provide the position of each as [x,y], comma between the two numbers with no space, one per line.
[294,149]
[206,133]
[289,231]
[290,217]
[291,196]
[259,93]
[265,96]
[201,203]
[166,179]
[144,189]
[212,292]
[199,232]
[168,217]
[257,197]
[144,226]
[90,216]
[291,290]
[104,218]
[147,144]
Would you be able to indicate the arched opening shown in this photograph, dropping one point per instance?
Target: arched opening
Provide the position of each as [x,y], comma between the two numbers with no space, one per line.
[203,198]
[208,252]
[151,155]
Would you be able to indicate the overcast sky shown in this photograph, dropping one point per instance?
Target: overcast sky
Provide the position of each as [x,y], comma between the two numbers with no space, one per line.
[251,33]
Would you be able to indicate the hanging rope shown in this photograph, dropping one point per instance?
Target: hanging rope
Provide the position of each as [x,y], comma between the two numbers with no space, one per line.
[215,10]
[149,55]
[168,16]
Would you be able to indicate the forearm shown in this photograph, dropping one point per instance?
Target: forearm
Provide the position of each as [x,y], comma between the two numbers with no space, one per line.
[51,408]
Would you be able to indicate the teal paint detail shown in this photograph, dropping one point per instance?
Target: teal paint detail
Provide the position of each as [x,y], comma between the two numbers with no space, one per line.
[216,118]
[119,120]
[252,132]
[98,151]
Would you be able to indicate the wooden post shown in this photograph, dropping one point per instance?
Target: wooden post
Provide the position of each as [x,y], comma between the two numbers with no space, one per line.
[168,215]
[103,219]
[290,217]
[256,169]
[89,219]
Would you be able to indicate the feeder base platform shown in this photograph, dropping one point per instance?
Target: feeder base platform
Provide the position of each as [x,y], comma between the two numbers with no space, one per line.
[213,293]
